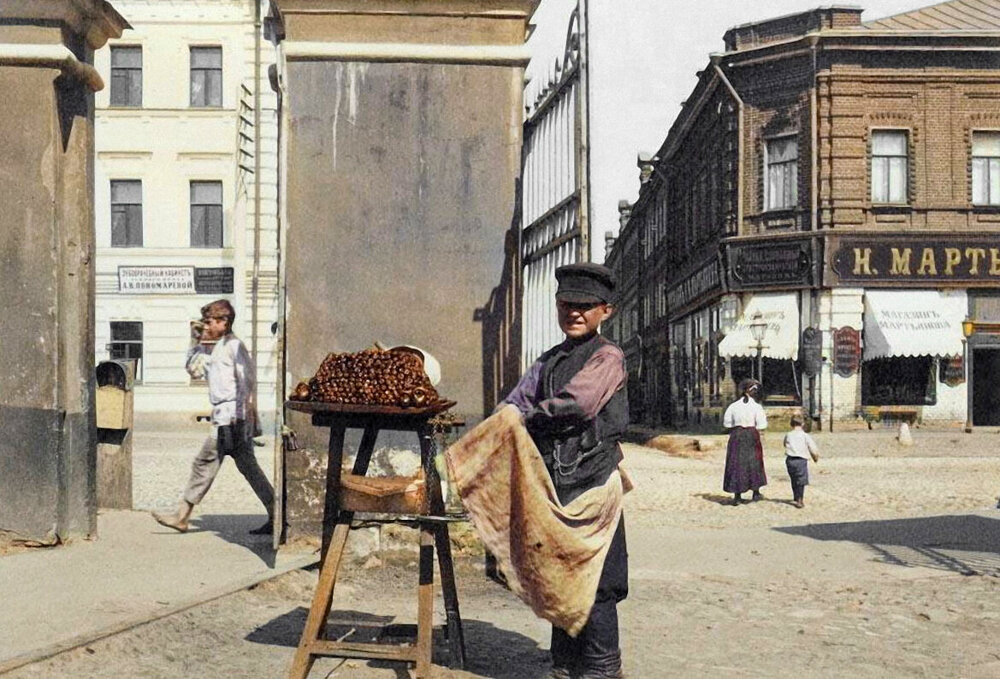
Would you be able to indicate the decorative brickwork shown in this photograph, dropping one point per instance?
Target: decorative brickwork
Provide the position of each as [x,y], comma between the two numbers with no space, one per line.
[814,87]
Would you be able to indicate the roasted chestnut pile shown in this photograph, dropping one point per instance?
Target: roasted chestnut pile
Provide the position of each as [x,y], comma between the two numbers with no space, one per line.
[370,377]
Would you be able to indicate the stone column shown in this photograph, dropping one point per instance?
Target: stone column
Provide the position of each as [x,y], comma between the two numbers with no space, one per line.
[47,435]
[839,307]
[401,146]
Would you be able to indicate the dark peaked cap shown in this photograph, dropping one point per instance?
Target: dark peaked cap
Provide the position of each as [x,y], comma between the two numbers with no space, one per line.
[585,282]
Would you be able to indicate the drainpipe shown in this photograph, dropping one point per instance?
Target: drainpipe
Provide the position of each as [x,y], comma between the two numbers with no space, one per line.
[814,415]
[255,280]
[814,153]
[739,141]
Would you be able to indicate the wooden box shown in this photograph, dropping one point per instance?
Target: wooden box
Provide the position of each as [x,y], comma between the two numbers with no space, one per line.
[383,494]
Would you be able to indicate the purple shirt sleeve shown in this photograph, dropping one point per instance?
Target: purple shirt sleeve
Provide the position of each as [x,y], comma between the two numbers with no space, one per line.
[579,400]
[523,395]
[590,389]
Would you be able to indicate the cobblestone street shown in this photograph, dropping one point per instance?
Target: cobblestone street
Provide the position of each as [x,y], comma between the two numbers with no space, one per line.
[891,569]
[162,462]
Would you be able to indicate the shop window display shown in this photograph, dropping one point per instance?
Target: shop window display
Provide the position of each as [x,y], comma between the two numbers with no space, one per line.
[780,381]
[898,381]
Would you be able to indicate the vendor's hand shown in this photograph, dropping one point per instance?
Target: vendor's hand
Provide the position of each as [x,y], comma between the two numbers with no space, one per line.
[815,457]
[502,406]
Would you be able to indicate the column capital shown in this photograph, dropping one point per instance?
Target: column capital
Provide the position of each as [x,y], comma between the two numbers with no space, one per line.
[95,20]
[447,31]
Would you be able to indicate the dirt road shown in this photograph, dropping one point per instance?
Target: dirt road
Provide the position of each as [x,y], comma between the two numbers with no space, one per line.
[891,570]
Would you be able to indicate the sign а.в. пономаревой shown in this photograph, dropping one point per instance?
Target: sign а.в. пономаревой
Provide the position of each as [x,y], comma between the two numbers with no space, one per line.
[175,280]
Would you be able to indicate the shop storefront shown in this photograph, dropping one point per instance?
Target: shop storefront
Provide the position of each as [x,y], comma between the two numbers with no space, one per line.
[764,344]
[913,351]
[928,313]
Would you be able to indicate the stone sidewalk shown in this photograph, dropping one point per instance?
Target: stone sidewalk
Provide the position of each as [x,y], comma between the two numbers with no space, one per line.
[136,571]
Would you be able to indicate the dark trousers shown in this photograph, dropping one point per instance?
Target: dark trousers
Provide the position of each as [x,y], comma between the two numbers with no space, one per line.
[595,652]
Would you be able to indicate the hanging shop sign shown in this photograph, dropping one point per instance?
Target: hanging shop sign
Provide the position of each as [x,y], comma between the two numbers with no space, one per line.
[770,263]
[213,281]
[895,258]
[846,351]
[707,279]
[812,351]
[156,280]
[953,370]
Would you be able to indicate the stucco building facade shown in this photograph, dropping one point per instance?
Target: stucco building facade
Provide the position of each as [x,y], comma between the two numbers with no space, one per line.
[184,132]
[833,185]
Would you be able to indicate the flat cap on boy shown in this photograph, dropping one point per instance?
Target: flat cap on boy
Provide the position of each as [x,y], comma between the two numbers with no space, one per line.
[584,283]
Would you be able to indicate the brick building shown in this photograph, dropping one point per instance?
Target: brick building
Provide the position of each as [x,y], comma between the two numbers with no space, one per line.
[825,213]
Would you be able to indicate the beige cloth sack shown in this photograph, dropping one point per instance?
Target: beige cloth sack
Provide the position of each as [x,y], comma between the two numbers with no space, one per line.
[551,555]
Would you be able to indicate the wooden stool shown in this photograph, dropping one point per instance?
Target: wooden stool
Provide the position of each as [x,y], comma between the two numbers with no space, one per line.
[356,492]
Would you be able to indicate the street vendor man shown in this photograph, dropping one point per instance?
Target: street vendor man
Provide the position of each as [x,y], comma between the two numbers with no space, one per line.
[575,408]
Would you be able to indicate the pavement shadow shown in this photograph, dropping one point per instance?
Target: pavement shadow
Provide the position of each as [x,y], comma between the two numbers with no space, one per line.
[490,651]
[726,499]
[966,544]
[717,498]
[235,529]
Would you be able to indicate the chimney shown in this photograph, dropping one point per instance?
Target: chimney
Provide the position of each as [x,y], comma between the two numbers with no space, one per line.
[624,212]
[644,161]
[609,243]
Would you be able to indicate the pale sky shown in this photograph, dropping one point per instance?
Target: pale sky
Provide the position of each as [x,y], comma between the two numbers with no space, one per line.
[644,56]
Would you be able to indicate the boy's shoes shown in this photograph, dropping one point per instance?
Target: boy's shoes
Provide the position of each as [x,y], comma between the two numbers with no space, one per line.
[171,521]
[266,529]
[592,674]
[559,673]
[757,497]
[799,504]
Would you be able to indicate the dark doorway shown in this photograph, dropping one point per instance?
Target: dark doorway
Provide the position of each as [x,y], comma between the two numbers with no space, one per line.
[986,387]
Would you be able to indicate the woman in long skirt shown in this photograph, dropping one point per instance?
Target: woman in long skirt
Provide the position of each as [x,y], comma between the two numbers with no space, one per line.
[745,419]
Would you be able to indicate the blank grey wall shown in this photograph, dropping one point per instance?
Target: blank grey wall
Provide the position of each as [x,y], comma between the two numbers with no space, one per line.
[400,189]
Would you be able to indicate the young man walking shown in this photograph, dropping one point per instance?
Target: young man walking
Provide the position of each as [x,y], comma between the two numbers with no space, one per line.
[231,377]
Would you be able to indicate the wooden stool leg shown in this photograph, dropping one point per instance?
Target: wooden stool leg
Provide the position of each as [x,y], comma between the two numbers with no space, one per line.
[335,457]
[320,609]
[456,639]
[425,602]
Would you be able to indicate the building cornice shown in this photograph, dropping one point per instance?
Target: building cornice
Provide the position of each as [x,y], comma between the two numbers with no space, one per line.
[865,40]
[485,55]
[498,9]
[50,56]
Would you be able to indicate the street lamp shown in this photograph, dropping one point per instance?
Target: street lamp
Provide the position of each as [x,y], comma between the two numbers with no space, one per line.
[968,327]
[758,326]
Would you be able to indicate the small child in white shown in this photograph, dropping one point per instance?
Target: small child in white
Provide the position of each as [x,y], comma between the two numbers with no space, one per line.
[799,447]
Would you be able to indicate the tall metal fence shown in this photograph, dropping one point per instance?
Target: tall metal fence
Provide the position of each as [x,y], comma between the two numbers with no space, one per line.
[555,200]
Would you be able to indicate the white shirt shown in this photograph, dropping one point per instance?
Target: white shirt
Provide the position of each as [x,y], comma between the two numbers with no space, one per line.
[800,444]
[231,377]
[740,414]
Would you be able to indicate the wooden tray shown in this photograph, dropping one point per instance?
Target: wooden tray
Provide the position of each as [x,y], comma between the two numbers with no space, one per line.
[315,407]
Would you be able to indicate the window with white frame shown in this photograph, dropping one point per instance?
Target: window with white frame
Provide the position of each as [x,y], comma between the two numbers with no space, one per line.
[206,214]
[126,76]
[890,161]
[986,168]
[206,77]
[782,158]
[126,213]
